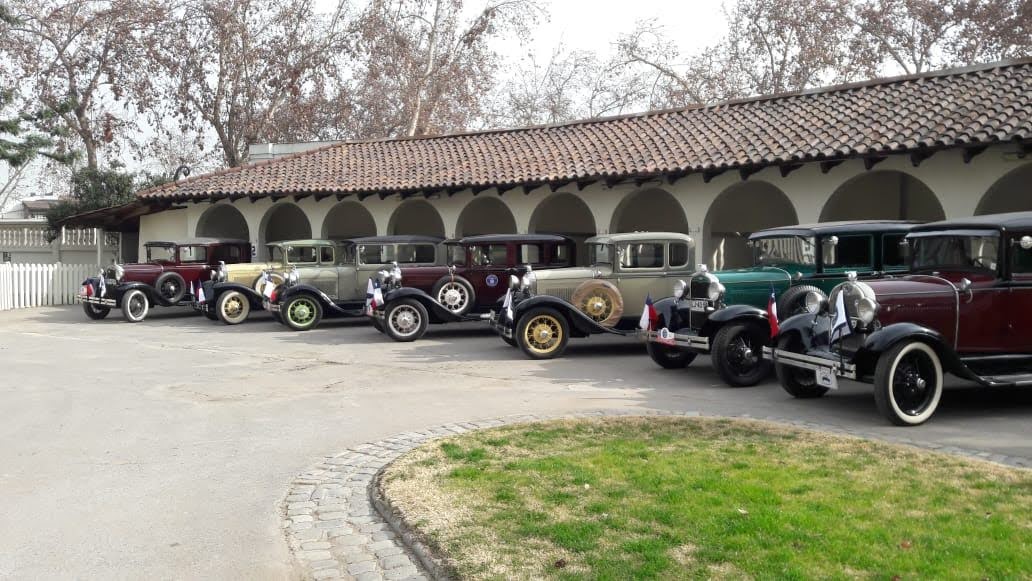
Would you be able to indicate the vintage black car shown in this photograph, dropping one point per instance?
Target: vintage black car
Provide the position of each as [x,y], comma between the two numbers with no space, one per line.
[725,313]
[965,308]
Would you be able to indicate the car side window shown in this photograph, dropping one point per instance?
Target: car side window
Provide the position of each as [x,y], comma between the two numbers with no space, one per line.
[457,255]
[326,254]
[893,255]
[490,254]
[678,254]
[560,255]
[848,252]
[530,254]
[193,254]
[376,254]
[1021,261]
[301,254]
[415,253]
[642,255]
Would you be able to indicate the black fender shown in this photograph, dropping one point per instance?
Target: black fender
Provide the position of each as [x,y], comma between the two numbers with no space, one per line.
[734,314]
[669,317]
[330,308]
[438,312]
[886,338]
[220,288]
[814,331]
[581,325]
[152,293]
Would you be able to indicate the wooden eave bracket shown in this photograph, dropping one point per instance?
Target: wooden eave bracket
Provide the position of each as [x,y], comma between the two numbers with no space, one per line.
[919,156]
[788,168]
[827,166]
[872,161]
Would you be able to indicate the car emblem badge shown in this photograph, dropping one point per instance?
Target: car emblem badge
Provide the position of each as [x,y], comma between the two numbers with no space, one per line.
[491,280]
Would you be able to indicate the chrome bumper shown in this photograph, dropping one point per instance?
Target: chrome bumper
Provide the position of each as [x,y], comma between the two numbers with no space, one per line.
[499,325]
[811,362]
[98,301]
[666,337]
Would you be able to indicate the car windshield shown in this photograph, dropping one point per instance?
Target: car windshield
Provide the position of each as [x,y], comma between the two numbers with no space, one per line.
[161,253]
[601,254]
[784,251]
[955,252]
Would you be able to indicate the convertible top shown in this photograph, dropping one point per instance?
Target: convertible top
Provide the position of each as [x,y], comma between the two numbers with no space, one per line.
[842,227]
[1011,221]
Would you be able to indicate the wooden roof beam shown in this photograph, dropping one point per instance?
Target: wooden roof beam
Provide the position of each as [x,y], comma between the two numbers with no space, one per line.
[827,166]
[919,156]
[788,168]
[870,162]
[709,174]
[341,196]
[503,189]
[745,172]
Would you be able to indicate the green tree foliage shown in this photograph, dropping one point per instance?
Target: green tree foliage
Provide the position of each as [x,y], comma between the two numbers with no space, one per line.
[93,189]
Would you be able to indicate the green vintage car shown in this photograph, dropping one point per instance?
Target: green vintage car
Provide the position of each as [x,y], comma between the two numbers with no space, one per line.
[725,313]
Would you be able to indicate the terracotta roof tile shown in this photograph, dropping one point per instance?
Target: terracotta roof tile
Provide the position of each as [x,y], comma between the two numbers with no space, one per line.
[977,105]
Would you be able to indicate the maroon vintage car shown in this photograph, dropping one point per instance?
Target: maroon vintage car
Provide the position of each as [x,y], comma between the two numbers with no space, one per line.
[476,278]
[172,273]
[966,309]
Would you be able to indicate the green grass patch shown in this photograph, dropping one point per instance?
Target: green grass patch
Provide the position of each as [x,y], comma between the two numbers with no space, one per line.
[673,498]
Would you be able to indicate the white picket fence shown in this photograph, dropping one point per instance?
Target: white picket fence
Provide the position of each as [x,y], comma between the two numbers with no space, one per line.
[35,285]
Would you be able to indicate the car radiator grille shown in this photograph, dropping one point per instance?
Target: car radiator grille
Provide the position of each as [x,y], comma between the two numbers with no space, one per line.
[563,293]
[699,290]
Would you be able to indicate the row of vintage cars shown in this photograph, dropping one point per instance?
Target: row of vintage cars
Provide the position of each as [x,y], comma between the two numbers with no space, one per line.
[893,303]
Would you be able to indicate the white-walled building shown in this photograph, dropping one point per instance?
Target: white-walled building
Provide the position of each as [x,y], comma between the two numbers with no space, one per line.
[938,145]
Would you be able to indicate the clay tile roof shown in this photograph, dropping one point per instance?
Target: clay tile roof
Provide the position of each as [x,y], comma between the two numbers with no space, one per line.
[955,108]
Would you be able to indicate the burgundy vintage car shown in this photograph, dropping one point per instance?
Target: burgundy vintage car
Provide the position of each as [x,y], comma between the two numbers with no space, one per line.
[966,309]
[169,277]
[476,278]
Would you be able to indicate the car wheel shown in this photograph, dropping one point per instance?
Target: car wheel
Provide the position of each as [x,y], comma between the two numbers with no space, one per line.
[260,288]
[908,383]
[457,295]
[405,320]
[600,300]
[95,312]
[301,312]
[135,305]
[511,342]
[542,333]
[793,301]
[738,354]
[377,324]
[669,356]
[210,316]
[233,308]
[171,287]
[799,383]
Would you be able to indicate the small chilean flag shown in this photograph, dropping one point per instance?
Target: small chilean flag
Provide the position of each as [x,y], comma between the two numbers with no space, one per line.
[649,316]
[87,290]
[772,314]
[200,293]
[370,299]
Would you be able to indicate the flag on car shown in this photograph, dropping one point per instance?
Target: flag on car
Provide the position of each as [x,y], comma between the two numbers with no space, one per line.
[377,294]
[103,287]
[841,322]
[369,293]
[649,316]
[507,304]
[200,293]
[87,290]
[772,313]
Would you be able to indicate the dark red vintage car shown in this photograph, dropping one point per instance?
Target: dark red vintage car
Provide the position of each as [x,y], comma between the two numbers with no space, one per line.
[966,309]
[476,278]
[172,273]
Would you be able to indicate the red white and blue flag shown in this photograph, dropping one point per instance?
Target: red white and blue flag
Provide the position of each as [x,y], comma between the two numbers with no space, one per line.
[200,293]
[370,293]
[649,316]
[772,314]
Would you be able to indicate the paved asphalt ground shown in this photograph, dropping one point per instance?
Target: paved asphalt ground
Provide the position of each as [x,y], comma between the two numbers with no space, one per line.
[163,449]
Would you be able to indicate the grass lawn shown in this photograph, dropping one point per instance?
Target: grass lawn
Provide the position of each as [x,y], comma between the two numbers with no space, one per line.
[677,498]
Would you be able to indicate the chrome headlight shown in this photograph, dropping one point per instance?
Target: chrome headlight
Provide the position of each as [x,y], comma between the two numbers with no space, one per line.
[529,282]
[119,272]
[396,273]
[866,310]
[715,291]
[293,277]
[812,302]
[222,275]
[679,288]
[384,275]
[514,282]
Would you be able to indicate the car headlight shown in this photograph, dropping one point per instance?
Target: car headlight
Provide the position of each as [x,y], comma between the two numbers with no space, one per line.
[679,288]
[119,272]
[396,273]
[866,309]
[514,282]
[529,282]
[223,273]
[293,277]
[715,291]
[812,302]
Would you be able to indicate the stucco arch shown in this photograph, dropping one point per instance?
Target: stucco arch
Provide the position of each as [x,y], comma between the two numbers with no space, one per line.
[737,212]
[566,214]
[416,217]
[883,195]
[284,221]
[1010,193]
[347,220]
[651,209]
[223,221]
[485,215]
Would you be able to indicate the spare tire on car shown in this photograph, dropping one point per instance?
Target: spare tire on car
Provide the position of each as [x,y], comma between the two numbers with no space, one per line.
[171,287]
[600,300]
[793,301]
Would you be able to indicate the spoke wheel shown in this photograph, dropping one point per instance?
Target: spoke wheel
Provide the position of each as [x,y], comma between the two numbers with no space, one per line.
[406,320]
[454,296]
[908,383]
[302,313]
[597,306]
[738,354]
[233,308]
[542,333]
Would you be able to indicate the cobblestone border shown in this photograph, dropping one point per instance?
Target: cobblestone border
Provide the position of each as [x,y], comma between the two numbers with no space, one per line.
[338,527]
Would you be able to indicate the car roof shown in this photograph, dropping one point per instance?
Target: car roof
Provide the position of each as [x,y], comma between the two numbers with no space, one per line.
[840,227]
[639,237]
[487,238]
[307,242]
[397,239]
[196,241]
[1008,221]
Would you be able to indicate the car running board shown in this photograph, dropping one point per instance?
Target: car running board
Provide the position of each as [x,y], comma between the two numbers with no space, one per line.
[1017,380]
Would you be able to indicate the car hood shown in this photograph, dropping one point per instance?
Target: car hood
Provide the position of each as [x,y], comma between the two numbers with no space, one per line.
[766,274]
[572,274]
[142,268]
[912,285]
[252,266]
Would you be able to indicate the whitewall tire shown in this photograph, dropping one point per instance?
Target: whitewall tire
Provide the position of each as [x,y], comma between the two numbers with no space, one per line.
[135,305]
[908,383]
[233,308]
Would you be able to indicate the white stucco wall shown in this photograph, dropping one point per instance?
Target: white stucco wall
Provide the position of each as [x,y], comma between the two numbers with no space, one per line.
[958,188]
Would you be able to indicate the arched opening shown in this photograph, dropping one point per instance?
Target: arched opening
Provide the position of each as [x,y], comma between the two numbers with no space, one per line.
[1011,193]
[223,221]
[348,220]
[737,212]
[883,195]
[485,216]
[565,214]
[416,217]
[649,210]
[284,222]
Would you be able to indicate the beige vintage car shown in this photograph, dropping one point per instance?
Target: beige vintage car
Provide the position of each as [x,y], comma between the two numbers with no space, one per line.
[546,308]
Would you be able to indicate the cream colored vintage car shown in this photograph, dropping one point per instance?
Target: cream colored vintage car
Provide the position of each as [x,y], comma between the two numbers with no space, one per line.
[236,289]
[547,307]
